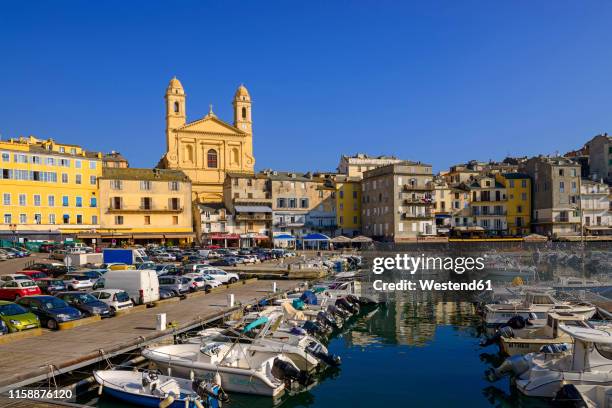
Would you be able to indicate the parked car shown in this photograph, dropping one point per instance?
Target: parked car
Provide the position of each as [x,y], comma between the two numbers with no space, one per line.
[165,294]
[13,277]
[3,256]
[92,274]
[197,282]
[164,257]
[34,275]
[50,310]
[50,268]
[146,265]
[227,261]
[99,284]
[142,285]
[221,275]
[8,254]
[116,299]
[16,289]
[47,248]
[49,286]
[194,267]
[177,284]
[211,281]
[77,281]
[86,303]
[16,317]
[58,254]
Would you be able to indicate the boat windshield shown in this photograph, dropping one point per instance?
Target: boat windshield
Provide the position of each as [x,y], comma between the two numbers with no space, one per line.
[605,350]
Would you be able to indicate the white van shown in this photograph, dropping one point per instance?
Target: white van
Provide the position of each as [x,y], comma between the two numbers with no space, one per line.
[142,284]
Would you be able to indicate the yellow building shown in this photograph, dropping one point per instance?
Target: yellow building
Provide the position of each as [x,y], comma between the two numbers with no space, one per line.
[518,191]
[144,206]
[348,205]
[207,148]
[49,189]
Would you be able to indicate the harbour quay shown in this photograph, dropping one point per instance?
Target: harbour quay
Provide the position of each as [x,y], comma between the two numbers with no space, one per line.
[31,360]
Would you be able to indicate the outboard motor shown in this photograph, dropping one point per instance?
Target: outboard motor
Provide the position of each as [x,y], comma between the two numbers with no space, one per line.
[353,299]
[338,312]
[212,393]
[516,322]
[513,365]
[319,351]
[569,397]
[284,370]
[346,305]
[298,331]
[504,331]
[328,320]
[316,328]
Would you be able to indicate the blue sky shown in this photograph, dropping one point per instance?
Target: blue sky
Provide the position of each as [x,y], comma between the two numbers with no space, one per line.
[437,81]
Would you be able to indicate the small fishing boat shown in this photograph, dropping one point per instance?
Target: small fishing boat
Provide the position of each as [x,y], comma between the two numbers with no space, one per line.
[147,388]
[239,367]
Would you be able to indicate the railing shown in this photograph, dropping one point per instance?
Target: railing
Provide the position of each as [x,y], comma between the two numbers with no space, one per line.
[253,217]
[407,216]
[141,209]
[418,201]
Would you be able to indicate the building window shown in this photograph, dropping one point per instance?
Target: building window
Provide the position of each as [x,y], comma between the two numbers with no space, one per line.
[116,184]
[292,203]
[92,180]
[51,201]
[65,201]
[37,200]
[118,219]
[22,199]
[561,187]
[561,172]
[303,203]
[72,150]
[145,203]
[93,202]
[51,218]
[78,178]
[175,220]
[64,178]
[8,219]
[6,198]
[92,165]
[23,219]
[94,219]
[174,186]
[212,159]
[77,164]
[6,157]
[281,203]
[175,204]
[66,219]
[145,185]
[79,219]
[176,107]
[244,113]
[147,220]
[79,201]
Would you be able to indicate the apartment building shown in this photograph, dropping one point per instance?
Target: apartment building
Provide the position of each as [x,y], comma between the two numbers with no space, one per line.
[144,206]
[595,207]
[600,157]
[555,195]
[488,205]
[397,202]
[355,166]
[518,193]
[49,189]
[348,205]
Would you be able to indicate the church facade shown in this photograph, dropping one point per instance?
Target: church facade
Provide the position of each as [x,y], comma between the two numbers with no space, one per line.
[207,148]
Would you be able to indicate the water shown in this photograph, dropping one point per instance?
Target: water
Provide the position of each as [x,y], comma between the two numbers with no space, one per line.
[420,349]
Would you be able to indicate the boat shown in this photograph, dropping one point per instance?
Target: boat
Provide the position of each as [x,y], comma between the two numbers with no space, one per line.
[535,303]
[150,389]
[240,367]
[543,374]
[584,396]
[307,353]
[571,283]
[531,340]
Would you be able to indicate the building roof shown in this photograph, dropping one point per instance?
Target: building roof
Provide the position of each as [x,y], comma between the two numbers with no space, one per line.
[154,174]
[211,206]
[242,91]
[114,157]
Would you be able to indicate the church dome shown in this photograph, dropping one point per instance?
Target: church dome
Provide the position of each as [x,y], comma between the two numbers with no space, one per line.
[242,93]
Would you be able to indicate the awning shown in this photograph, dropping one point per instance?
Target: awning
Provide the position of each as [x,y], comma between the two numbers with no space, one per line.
[475,228]
[284,237]
[222,236]
[148,236]
[254,235]
[341,239]
[315,237]
[179,235]
[361,239]
[443,216]
[597,227]
[253,209]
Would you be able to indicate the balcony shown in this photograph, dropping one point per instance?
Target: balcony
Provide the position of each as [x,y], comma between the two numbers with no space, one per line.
[254,217]
[140,209]
[418,201]
[410,188]
[420,216]
[289,224]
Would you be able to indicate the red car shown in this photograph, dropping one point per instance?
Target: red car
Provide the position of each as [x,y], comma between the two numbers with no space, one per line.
[34,275]
[13,290]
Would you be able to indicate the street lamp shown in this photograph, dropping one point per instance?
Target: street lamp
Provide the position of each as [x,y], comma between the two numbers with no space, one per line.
[13,228]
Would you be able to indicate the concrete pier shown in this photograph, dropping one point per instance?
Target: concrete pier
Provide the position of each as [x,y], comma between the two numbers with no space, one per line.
[34,359]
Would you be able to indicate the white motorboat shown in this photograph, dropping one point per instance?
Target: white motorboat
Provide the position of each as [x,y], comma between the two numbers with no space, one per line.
[535,303]
[149,389]
[585,396]
[240,367]
[543,374]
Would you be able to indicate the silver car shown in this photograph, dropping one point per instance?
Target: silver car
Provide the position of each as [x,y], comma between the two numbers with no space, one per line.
[76,281]
[175,284]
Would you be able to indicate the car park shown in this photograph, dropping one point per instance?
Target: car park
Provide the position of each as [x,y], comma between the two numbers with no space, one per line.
[16,289]
[86,303]
[77,281]
[50,310]
[176,284]
[115,299]
[142,285]
[49,286]
[16,317]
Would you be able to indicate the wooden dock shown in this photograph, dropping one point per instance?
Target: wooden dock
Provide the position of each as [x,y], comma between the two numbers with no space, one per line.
[35,359]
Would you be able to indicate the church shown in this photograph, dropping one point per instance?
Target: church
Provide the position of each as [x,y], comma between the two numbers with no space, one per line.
[207,148]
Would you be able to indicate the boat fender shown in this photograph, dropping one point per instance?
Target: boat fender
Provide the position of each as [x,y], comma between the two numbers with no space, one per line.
[100,388]
[166,402]
[506,332]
